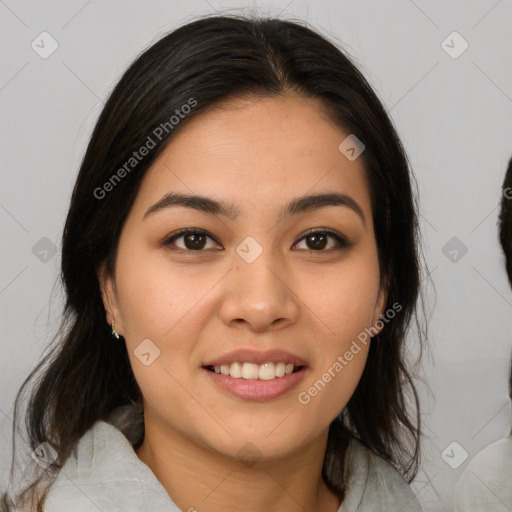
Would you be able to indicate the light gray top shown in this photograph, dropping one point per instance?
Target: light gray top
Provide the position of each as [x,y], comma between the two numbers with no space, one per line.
[107,475]
[486,483]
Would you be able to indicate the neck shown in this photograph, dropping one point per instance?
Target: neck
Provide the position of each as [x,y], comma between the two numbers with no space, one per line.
[200,479]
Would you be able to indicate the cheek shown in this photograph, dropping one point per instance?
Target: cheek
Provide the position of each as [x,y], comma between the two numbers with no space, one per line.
[341,354]
[154,295]
[344,300]
[330,388]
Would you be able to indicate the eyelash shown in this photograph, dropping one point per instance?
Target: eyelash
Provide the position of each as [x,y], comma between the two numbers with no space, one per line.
[340,239]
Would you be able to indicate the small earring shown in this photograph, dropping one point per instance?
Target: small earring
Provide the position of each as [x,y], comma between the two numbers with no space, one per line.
[114,332]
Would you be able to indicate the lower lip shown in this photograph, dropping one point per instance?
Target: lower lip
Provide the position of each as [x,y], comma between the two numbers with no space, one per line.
[256,389]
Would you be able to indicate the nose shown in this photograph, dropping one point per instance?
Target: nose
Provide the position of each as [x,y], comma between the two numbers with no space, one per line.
[259,295]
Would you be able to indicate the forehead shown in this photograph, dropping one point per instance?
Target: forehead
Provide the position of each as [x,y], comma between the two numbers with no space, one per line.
[257,150]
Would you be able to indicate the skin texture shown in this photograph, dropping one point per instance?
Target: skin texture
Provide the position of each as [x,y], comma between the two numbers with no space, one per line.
[258,154]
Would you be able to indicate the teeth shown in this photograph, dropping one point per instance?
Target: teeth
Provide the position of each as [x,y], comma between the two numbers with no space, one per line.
[249,371]
[267,371]
[235,370]
[252,371]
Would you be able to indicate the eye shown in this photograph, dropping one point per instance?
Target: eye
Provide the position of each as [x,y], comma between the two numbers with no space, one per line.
[193,239]
[317,240]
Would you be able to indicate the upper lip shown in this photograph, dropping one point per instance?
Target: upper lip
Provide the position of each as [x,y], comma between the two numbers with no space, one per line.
[254,356]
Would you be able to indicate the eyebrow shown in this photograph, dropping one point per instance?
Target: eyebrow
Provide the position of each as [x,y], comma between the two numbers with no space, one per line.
[296,206]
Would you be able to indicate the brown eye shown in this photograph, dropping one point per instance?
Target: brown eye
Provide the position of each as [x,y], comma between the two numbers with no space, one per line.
[196,240]
[193,240]
[318,241]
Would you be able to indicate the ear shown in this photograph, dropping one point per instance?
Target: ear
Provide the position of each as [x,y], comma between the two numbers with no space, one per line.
[380,308]
[109,298]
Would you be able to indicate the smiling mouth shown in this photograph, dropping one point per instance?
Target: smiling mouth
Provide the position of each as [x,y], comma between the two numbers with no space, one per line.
[252,371]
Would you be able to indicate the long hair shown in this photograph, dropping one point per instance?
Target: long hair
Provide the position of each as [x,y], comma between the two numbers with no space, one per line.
[84,377]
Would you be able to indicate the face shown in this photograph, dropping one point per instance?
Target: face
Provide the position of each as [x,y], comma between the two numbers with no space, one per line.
[258,283]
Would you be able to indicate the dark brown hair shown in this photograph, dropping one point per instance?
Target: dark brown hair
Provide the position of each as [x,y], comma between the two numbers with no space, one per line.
[85,376]
[505,220]
[505,235]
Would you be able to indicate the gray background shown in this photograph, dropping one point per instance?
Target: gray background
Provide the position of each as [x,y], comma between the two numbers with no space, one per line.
[454,118]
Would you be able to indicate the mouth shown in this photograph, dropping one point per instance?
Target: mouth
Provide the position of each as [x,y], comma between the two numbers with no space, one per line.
[255,382]
[253,371]
[255,375]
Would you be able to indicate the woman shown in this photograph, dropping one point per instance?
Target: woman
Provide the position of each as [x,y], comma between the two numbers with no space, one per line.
[485,483]
[241,269]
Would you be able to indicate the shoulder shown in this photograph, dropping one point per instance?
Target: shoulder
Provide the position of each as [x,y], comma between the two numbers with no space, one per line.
[374,484]
[105,473]
[485,483]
